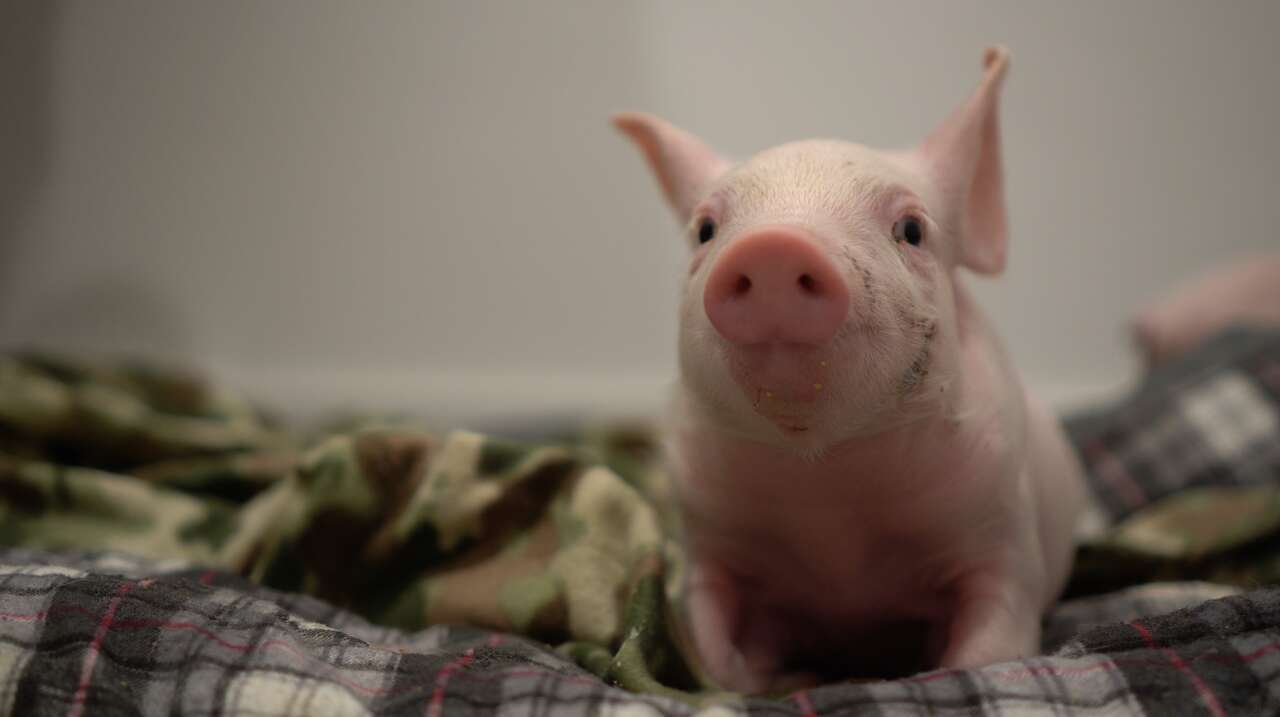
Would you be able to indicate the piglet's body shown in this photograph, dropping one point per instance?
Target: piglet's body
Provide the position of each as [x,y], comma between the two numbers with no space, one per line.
[866,488]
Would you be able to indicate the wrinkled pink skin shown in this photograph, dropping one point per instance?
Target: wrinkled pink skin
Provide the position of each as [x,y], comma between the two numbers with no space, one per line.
[1245,291]
[857,464]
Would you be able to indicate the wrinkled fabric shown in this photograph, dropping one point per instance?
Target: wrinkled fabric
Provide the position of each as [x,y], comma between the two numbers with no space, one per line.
[361,566]
[108,634]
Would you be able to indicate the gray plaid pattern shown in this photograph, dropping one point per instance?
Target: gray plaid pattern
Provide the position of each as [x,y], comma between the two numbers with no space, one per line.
[1213,419]
[104,635]
[1230,413]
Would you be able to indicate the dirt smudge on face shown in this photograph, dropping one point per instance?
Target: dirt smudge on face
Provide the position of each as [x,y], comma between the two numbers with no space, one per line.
[868,284]
[919,368]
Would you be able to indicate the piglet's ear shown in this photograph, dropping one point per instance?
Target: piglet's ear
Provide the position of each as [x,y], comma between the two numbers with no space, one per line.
[683,165]
[963,158]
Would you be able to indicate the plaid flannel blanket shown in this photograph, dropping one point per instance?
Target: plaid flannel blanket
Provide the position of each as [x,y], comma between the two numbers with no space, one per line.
[170,552]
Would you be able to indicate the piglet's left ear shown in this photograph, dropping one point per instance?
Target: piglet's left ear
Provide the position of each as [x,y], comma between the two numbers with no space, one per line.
[963,158]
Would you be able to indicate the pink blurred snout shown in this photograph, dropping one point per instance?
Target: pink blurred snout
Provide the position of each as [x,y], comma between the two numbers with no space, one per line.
[776,284]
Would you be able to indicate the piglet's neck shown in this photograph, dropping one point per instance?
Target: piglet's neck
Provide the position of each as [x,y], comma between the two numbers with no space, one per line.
[894,440]
[896,463]
[968,316]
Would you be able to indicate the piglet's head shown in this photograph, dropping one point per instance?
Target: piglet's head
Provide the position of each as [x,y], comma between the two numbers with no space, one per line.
[819,302]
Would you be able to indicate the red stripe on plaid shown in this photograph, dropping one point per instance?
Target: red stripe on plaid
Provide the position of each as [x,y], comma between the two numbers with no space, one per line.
[1024,673]
[1202,688]
[805,705]
[29,616]
[442,681]
[91,657]
[1269,647]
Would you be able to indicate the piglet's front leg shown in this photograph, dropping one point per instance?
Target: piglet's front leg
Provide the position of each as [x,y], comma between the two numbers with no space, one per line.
[742,645]
[992,621]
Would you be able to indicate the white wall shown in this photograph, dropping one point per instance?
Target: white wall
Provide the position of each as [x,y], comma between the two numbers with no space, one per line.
[421,205]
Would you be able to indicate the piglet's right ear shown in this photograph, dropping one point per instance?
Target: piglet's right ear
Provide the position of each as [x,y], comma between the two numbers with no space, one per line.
[682,163]
[964,157]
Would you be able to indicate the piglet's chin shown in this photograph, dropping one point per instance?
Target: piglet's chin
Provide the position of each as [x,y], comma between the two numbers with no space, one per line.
[785,383]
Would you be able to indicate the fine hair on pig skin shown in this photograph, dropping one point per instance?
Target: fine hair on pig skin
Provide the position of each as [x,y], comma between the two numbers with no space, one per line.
[865,488]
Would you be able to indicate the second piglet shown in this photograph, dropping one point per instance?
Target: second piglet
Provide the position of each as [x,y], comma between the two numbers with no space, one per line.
[866,487]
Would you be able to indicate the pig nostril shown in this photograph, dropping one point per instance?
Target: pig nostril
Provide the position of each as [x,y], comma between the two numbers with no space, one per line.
[743,285]
[807,284]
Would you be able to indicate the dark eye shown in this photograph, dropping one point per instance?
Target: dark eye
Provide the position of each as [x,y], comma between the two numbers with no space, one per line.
[706,231]
[910,230]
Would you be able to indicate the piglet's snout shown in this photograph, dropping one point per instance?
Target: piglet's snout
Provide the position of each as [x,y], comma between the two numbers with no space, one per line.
[776,284]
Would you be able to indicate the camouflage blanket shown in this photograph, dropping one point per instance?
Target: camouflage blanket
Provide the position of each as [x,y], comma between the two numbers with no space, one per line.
[170,551]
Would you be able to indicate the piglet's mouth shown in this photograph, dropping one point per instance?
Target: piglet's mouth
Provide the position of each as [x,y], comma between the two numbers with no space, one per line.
[784,382]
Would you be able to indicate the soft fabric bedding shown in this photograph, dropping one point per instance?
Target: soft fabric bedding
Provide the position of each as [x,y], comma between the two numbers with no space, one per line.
[167,550]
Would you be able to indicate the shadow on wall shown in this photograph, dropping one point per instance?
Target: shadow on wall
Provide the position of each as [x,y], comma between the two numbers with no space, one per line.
[111,315]
[103,312]
[26,68]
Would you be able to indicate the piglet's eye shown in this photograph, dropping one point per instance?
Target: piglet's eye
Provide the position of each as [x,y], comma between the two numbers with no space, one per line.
[909,229]
[706,231]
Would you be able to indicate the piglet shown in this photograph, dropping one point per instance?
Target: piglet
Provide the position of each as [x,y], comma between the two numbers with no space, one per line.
[865,486]
[1242,292]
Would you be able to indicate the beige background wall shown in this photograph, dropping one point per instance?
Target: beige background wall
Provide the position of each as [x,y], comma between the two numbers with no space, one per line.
[421,206]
